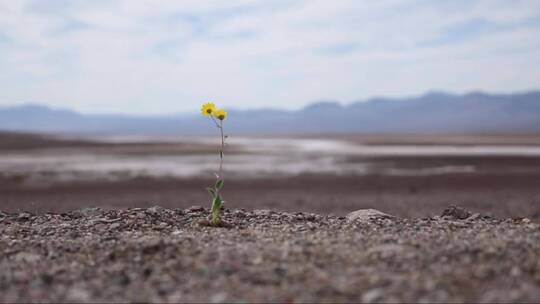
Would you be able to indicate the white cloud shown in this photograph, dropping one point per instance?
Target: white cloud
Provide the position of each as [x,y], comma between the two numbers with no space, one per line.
[142,56]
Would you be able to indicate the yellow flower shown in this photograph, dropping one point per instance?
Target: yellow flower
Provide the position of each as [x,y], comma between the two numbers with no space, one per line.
[220,114]
[208,109]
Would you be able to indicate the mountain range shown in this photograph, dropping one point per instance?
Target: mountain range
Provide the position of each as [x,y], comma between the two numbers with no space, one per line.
[434,112]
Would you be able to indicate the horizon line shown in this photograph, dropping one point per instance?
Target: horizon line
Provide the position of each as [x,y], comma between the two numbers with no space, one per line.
[374,98]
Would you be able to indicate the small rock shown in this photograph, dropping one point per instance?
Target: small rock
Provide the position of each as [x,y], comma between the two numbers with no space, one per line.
[456,212]
[26,257]
[372,295]
[154,211]
[459,225]
[88,212]
[474,217]
[239,213]
[194,209]
[366,215]
[311,218]
[532,226]
[23,217]
[120,279]
[179,211]
[45,279]
[77,294]
[147,272]
[515,272]
[162,226]
[218,298]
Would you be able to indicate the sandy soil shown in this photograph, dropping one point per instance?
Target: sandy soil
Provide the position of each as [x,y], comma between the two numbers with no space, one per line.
[501,186]
[164,255]
[499,195]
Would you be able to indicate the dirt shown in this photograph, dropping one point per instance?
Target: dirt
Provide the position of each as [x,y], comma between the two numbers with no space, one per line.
[164,255]
[502,195]
[501,186]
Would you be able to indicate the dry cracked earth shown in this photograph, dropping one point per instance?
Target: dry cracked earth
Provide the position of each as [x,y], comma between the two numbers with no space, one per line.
[165,255]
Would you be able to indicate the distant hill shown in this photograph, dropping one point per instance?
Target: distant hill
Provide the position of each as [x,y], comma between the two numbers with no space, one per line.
[434,112]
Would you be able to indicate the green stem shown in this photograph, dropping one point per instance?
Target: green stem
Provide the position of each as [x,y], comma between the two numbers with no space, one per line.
[220,172]
[216,207]
[222,148]
[215,214]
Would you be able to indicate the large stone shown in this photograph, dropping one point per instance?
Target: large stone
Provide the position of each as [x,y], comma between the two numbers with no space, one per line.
[155,210]
[90,212]
[367,215]
[456,212]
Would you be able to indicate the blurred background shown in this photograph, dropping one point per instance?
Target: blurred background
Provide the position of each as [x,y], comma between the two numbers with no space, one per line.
[402,106]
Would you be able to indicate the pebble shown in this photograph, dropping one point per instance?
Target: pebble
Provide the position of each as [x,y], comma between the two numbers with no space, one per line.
[456,212]
[194,209]
[372,295]
[154,211]
[219,298]
[77,294]
[364,215]
[26,257]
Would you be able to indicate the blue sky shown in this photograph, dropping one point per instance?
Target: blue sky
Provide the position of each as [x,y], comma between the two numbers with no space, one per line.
[161,56]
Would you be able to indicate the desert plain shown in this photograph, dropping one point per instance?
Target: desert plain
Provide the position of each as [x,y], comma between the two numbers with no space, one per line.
[97,218]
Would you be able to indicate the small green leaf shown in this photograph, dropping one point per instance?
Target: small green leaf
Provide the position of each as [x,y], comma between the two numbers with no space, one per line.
[217,203]
[219,184]
[212,192]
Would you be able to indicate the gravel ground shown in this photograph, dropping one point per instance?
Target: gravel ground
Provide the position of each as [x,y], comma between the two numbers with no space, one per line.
[164,255]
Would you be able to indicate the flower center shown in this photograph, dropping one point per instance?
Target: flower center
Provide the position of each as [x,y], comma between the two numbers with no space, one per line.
[209,111]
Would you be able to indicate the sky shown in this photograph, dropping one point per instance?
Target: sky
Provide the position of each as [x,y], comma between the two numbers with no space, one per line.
[162,56]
